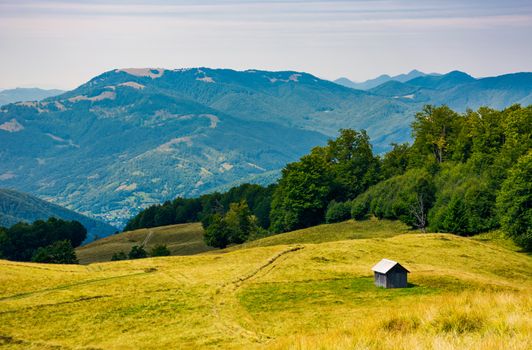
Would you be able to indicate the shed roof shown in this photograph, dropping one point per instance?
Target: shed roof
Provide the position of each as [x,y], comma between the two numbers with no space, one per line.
[386,265]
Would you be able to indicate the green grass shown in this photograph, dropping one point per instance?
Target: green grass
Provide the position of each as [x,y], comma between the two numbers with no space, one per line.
[288,296]
[464,294]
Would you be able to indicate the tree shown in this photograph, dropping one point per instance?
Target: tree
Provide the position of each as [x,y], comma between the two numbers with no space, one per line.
[217,234]
[137,252]
[59,252]
[515,202]
[455,220]
[241,222]
[4,241]
[20,241]
[434,130]
[160,250]
[233,228]
[465,199]
[395,162]
[353,166]
[302,194]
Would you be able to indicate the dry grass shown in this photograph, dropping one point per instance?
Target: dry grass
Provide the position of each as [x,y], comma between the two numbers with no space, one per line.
[182,239]
[349,229]
[464,294]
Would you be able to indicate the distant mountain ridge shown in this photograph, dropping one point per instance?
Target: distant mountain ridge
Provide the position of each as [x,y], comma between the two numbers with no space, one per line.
[371,83]
[129,138]
[26,94]
[16,207]
[459,90]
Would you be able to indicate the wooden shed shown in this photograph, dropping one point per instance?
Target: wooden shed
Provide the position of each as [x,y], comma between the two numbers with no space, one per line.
[390,274]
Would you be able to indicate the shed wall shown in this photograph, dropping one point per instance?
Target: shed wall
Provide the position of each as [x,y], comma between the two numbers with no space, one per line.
[380,279]
[393,279]
[396,279]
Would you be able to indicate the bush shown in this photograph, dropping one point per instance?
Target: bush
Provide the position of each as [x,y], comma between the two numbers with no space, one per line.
[406,197]
[360,207]
[337,212]
[160,250]
[465,201]
[137,252]
[119,256]
[60,252]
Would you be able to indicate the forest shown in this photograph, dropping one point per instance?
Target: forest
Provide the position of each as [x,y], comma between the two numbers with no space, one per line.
[463,173]
[50,241]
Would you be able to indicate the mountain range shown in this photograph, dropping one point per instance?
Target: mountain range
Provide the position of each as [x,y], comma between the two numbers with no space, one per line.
[21,207]
[381,79]
[133,137]
[26,94]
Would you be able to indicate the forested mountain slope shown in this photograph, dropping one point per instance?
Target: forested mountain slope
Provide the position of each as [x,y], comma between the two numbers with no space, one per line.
[133,137]
[16,207]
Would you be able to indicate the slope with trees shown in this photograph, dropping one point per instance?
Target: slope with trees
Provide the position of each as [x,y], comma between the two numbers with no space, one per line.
[51,241]
[450,179]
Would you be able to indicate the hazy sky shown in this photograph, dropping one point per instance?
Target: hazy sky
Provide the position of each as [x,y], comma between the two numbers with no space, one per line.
[64,43]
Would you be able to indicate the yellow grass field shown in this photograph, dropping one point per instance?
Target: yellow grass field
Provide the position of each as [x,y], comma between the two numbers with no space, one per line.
[464,294]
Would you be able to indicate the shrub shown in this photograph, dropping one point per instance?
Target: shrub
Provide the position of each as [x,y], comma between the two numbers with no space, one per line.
[458,322]
[406,197]
[401,324]
[337,212]
[137,252]
[160,250]
[119,256]
[360,207]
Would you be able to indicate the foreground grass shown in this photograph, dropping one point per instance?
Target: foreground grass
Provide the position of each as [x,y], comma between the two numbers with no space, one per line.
[464,294]
[182,239]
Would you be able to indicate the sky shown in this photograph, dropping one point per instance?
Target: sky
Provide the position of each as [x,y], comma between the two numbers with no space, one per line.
[62,44]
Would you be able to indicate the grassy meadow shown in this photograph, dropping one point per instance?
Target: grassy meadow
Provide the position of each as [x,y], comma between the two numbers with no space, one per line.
[281,292]
[181,239]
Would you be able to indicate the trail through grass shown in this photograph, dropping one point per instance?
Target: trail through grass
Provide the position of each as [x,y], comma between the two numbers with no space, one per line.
[464,294]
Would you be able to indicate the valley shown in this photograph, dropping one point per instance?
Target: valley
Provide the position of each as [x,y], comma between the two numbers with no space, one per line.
[130,138]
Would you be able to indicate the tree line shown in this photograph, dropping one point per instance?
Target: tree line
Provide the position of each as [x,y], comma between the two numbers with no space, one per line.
[50,241]
[463,173]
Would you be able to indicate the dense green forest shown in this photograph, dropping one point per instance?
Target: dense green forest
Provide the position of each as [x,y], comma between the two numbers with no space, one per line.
[50,241]
[463,173]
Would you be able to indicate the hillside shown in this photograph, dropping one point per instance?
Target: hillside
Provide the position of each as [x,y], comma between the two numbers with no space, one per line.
[16,207]
[460,91]
[187,239]
[26,94]
[464,293]
[183,239]
[143,136]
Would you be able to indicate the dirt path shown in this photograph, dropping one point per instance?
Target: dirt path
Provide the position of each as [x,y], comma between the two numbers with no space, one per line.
[67,286]
[146,239]
[227,309]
